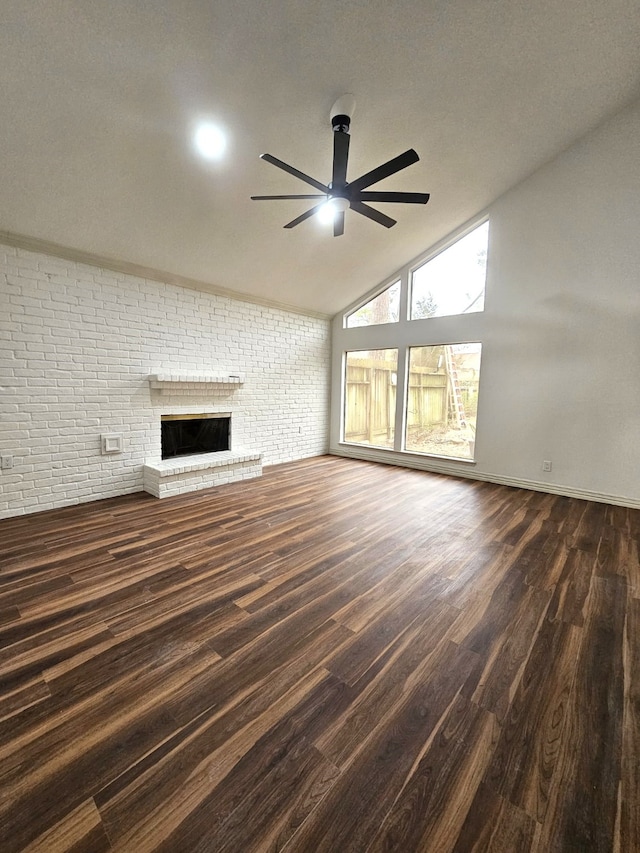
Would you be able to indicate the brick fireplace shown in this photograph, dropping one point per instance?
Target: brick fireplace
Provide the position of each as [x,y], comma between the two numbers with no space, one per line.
[196,446]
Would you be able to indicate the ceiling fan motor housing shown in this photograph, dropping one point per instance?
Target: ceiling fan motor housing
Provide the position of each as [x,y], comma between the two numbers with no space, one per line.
[341,123]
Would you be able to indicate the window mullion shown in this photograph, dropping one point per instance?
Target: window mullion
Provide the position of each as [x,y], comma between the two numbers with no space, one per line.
[401,396]
[403,308]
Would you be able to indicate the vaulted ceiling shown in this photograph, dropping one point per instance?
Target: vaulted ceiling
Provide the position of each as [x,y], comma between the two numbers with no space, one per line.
[99,101]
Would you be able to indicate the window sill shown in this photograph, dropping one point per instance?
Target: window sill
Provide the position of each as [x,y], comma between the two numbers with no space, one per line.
[407,454]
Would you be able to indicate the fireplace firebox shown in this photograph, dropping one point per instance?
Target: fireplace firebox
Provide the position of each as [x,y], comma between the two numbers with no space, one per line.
[185,435]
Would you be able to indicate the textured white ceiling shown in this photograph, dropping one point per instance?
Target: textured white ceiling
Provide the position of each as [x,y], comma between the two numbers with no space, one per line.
[98,101]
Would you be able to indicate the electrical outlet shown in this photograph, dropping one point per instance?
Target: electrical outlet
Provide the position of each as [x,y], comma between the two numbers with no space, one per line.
[6,460]
[546,465]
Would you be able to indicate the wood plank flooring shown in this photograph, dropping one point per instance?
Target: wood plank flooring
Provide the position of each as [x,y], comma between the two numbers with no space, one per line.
[339,657]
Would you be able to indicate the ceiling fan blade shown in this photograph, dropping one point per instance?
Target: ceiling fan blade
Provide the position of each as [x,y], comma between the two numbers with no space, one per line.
[340,157]
[273,197]
[389,168]
[303,216]
[338,224]
[406,198]
[295,172]
[370,213]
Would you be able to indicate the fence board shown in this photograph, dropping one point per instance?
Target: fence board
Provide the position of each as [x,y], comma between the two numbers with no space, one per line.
[371,400]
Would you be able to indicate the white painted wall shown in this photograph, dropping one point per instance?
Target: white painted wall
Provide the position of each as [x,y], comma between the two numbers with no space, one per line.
[77,344]
[560,376]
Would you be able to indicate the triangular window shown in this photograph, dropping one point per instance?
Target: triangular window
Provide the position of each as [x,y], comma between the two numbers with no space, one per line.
[453,281]
[383,308]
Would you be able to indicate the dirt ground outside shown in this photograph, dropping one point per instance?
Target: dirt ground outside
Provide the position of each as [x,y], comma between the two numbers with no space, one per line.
[439,440]
[443,441]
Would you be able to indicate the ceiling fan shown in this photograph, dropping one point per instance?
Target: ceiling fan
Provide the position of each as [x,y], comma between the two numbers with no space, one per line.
[339,193]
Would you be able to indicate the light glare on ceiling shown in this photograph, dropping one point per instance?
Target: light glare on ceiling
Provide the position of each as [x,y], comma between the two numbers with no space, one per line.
[210,141]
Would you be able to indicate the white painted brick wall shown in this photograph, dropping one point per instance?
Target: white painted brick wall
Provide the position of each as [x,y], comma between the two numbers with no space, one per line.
[77,344]
[169,486]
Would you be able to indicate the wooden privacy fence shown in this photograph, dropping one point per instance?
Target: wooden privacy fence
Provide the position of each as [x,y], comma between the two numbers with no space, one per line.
[371,400]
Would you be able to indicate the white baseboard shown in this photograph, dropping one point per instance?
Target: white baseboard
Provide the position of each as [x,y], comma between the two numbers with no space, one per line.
[471,473]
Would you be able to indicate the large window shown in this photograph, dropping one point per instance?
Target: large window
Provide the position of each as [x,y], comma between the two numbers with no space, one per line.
[383,308]
[453,281]
[370,397]
[415,389]
[442,400]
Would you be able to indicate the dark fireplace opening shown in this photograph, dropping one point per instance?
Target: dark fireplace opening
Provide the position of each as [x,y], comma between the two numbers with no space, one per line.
[184,435]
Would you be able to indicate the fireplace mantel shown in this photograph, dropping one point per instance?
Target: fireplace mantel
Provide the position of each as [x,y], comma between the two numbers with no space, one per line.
[194,382]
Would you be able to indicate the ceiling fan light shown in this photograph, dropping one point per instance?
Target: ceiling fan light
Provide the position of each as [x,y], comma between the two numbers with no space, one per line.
[327,212]
[331,208]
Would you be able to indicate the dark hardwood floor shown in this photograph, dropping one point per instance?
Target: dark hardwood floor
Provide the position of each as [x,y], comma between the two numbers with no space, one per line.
[338,657]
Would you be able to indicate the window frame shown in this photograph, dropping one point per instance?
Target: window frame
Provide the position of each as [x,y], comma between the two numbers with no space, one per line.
[436,250]
[452,330]
[407,389]
[373,294]
[343,419]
